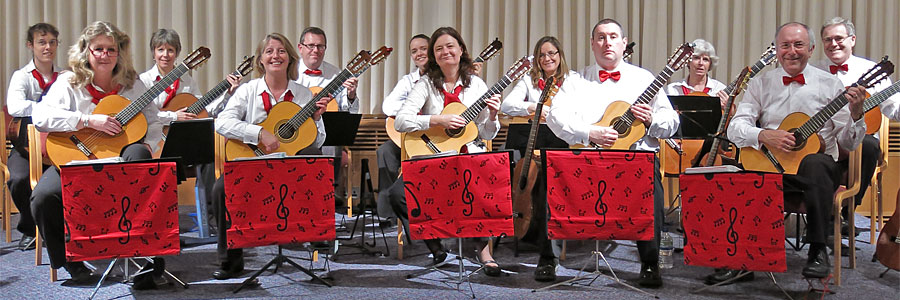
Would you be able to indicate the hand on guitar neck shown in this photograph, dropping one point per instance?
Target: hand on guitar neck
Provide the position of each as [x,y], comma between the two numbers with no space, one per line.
[457,121]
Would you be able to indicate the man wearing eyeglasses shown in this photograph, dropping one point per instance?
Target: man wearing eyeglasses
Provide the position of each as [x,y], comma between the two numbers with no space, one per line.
[798,87]
[316,72]
[838,40]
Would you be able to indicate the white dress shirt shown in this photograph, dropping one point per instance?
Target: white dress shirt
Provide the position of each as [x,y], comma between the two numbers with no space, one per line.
[424,101]
[572,121]
[64,106]
[25,91]
[675,88]
[395,99]
[329,72]
[525,93]
[768,101]
[246,109]
[186,84]
[856,67]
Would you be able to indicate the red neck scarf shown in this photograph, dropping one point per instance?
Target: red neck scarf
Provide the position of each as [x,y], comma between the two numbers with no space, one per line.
[170,91]
[685,90]
[97,94]
[452,97]
[267,102]
[40,79]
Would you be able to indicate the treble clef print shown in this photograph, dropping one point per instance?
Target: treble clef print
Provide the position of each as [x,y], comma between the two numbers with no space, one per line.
[599,207]
[630,158]
[124,222]
[467,196]
[415,212]
[282,211]
[759,183]
[152,171]
[731,235]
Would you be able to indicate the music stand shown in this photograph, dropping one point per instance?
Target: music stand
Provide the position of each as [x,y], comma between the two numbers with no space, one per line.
[193,143]
[341,130]
[699,118]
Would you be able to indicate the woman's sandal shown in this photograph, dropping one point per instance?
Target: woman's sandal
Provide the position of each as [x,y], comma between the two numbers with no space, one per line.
[491,270]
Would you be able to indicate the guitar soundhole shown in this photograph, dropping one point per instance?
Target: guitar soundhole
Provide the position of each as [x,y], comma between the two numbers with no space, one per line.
[285,132]
[799,141]
[620,127]
[454,132]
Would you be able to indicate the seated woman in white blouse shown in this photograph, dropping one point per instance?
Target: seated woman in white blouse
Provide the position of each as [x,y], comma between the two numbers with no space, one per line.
[449,77]
[698,81]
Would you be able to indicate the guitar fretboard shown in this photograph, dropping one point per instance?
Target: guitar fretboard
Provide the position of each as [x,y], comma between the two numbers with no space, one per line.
[310,108]
[818,120]
[136,106]
[648,94]
[879,97]
[472,112]
[211,95]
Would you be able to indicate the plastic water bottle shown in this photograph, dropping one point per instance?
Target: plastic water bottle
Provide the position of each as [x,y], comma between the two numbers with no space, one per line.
[666,247]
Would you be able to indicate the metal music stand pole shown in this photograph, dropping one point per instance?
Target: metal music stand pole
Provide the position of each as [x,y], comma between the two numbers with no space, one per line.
[129,277]
[280,259]
[596,256]
[459,278]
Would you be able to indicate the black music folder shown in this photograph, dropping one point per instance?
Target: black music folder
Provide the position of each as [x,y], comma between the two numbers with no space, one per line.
[340,128]
[699,115]
[193,141]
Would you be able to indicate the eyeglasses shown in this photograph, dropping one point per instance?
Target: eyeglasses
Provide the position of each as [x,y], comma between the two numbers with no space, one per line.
[110,52]
[314,46]
[548,54]
[837,39]
[798,45]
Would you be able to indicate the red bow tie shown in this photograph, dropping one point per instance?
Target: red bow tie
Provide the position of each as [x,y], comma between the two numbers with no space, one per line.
[788,79]
[541,84]
[267,102]
[604,75]
[313,72]
[452,96]
[97,95]
[40,79]
[834,69]
[170,90]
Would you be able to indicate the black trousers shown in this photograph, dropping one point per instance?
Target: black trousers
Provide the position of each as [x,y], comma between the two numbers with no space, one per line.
[231,259]
[388,155]
[19,184]
[47,208]
[817,178]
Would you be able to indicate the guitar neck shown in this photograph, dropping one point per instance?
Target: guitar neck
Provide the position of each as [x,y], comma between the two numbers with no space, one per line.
[818,120]
[754,69]
[650,92]
[472,112]
[532,134]
[879,97]
[136,106]
[211,95]
[310,108]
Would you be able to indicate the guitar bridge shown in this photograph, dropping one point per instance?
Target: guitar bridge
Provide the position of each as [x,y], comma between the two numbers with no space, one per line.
[82,147]
[431,146]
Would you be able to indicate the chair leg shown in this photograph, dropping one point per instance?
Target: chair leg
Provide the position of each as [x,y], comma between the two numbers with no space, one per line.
[562,252]
[7,206]
[53,277]
[851,237]
[399,240]
[837,244]
[38,247]
[873,197]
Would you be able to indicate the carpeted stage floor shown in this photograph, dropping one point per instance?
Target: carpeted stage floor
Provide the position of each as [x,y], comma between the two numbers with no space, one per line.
[359,276]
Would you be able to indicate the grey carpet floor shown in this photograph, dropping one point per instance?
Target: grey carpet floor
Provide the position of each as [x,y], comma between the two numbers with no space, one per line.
[361,276]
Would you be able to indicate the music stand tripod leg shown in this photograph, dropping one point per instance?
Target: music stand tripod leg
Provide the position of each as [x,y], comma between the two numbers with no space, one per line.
[596,256]
[103,278]
[730,280]
[279,259]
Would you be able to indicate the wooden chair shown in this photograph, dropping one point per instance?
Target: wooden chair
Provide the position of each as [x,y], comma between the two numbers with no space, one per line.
[220,154]
[36,168]
[7,199]
[876,211]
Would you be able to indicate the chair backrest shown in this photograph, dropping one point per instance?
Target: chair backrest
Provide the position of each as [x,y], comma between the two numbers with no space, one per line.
[35,158]
[854,170]
[883,140]
[220,154]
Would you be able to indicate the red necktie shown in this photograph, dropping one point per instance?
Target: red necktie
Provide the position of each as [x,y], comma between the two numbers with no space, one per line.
[604,75]
[685,90]
[799,79]
[97,94]
[834,69]
[40,79]
[267,102]
[313,72]
[170,90]
[452,97]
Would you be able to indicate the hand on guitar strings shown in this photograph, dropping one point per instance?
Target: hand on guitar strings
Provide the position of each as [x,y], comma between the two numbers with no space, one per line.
[267,141]
[603,136]
[723,99]
[184,115]
[321,105]
[777,139]
[643,113]
[493,105]
[533,107]
[856,95]
[104,123]
[447,121]
[477,68]
[350,85]
[235,81]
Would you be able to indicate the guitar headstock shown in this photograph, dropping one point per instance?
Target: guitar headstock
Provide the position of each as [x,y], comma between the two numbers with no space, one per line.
[741,82]
[359,62]
[550,90]
[380,55]
[768,57]
[519,68]
[196,58]
[246,66]
[681,56]
[491,50]
[879,72]
[629,50]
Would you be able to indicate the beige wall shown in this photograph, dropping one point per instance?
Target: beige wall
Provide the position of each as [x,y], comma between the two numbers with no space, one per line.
[739,29]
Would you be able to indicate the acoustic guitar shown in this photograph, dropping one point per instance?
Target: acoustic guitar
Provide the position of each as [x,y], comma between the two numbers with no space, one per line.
[291,124]
[618,115]
[438,139]
[713,158]
[489,52]
[887,251]
[805,130]
[526,171]
[376,58]
[87,143]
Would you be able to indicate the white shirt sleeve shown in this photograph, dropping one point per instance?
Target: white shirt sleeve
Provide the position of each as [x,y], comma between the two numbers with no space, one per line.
[395,99]
[230,122]
[408,118]
[17,102]
[516,103]
[742,130]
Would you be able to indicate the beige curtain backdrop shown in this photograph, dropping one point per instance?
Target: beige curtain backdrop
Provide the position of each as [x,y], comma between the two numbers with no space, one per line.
[739,29]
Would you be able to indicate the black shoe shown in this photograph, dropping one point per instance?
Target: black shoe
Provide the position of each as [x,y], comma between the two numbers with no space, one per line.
[229,270]
[154,272]
[722,275]
[650,277]
[79,272]
[439,257]
[845,229]
[817,265]
[26,243]
[491,270]
[546,270]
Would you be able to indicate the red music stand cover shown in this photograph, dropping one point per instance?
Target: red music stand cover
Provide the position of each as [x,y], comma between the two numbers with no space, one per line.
[599,194]
[734,221]
[279,201]
[466,195]
[120,210]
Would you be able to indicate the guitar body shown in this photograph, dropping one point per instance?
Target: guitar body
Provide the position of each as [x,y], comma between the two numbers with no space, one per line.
[523,184]
[439,136]
[873,120]
[293,140]
[181,101]
[61,150]
[675,163]
[755,160]
[392,132]
[634,133]
[332,105]
[887,250]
